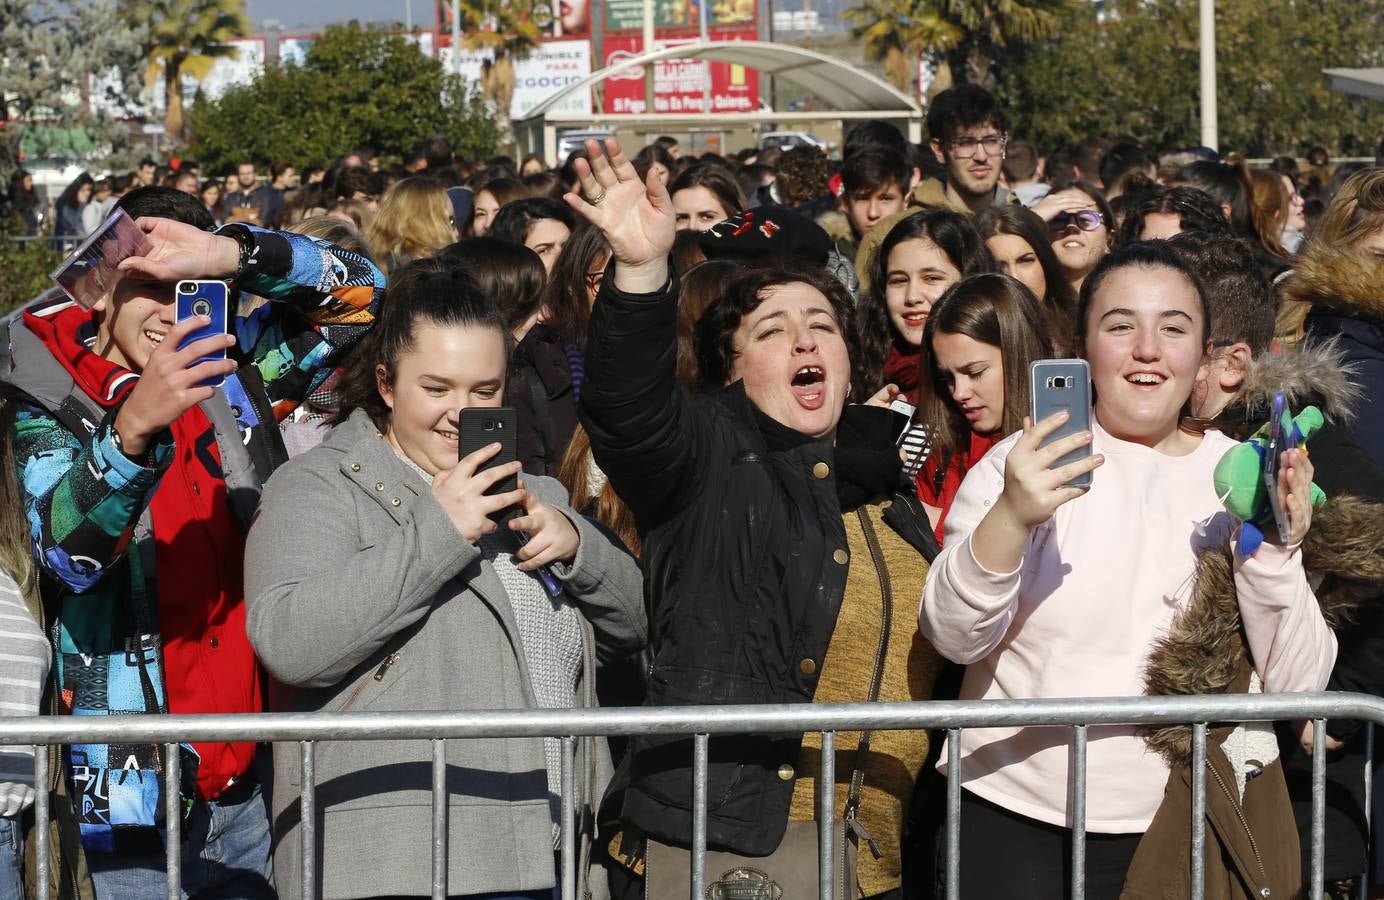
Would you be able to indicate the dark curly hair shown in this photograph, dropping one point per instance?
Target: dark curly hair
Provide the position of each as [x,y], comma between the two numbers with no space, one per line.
[742,294]
[1196,210]
[954,234]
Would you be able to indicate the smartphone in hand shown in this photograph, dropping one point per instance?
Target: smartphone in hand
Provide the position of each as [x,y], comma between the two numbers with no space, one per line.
[482,426]
[1063,385]
[204,298]
[1280,439]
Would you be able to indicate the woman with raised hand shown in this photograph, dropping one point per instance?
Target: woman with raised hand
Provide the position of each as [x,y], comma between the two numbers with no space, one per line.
[1081,227]
[777,546]
[383,574]
[1045,589]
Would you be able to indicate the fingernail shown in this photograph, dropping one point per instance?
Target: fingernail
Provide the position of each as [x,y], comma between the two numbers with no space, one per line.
[1063,416]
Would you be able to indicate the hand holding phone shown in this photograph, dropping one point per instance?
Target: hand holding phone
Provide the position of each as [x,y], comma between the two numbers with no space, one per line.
[477,490]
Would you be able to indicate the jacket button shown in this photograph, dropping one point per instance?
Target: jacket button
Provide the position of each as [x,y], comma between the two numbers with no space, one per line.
[395,501]
[196,488]
[808,666]
[785,772]
[821,470]
[355,467]
[841,556]
[215,642]
[379,485]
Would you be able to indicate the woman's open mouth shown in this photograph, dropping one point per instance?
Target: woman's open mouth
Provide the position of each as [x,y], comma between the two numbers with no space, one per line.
[809,386]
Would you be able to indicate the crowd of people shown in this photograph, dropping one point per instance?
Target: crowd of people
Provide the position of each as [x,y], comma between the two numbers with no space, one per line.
[772,443]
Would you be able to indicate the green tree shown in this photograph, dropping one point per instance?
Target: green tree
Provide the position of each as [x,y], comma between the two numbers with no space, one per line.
[186,37]
[1134,70]
[355,87]
[57,59]
[508,31]
[896,31]
[988,27]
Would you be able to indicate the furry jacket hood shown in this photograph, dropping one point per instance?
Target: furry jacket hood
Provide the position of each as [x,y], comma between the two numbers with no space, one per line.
[1328,280]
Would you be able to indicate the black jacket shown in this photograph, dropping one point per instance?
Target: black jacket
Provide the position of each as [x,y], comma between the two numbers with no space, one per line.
[545,406]
[745,565]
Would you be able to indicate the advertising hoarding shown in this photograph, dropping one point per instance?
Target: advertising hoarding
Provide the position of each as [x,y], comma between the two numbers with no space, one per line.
[550,68]
[678,83]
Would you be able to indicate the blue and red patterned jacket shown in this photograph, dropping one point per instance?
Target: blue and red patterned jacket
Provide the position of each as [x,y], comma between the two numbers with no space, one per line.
[143,561]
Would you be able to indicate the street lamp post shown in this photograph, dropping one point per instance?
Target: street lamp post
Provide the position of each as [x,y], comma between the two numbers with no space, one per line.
[456,36]
[1209,136]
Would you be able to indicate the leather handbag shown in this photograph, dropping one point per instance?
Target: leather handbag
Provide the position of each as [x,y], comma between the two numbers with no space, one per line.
[791,871]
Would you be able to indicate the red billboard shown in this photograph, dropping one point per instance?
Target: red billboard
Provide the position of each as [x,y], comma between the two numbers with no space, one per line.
[678,83]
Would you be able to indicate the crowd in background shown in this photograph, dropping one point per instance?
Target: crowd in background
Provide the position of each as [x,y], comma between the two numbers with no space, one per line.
[772,444]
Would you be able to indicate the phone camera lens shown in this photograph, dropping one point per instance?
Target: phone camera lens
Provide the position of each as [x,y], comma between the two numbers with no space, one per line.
[488,425]
[201,308]
[187,288]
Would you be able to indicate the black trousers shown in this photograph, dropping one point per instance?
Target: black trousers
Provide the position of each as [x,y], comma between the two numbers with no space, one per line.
[1005,856]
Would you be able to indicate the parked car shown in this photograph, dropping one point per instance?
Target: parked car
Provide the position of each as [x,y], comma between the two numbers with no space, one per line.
[787,140]
[576,139]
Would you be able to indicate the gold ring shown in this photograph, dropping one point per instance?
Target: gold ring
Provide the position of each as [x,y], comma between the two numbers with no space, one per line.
[596,200]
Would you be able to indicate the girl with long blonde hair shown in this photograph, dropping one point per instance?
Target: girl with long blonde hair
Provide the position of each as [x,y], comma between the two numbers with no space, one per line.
[414,221]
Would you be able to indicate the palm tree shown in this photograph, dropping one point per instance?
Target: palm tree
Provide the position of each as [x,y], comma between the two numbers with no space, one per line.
[510,30]
[185,38]
[896,31]
[991,24]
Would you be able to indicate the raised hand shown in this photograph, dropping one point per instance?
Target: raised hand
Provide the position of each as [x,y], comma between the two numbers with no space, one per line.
[635,216]
[461,491]
[1068,201]
[178,250]
[170,383]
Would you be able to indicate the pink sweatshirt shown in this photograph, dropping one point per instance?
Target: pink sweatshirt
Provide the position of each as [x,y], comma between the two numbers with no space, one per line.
[1099,582]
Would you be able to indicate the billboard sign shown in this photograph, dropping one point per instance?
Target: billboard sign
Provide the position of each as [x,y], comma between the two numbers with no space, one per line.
[628,15]
[562,19]
[678,83]
[551,67]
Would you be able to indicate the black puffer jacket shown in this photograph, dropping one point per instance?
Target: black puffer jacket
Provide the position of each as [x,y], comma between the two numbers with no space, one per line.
[745,562]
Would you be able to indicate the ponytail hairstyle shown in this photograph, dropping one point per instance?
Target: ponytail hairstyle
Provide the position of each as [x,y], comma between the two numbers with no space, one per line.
[427,292]
[992,309]
[955,236]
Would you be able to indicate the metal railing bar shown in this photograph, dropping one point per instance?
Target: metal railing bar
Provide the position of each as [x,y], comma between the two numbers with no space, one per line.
[439,819]
[568,823]
[41,814]
[826,820]
[1363,888]
[766,719]
[1078,812]
[307,805]
[173,819]
[954,814]
[700,757]
[1198,849]
[1317,865]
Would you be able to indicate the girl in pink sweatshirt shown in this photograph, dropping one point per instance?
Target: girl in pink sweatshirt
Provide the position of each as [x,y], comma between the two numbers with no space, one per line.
[1047,590]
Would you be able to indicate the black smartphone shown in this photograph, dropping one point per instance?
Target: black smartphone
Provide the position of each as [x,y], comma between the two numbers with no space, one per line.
[482,426]
[1063,385]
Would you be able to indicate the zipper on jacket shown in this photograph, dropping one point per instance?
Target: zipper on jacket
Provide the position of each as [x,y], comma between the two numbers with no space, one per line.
[389,660]
[1244,823]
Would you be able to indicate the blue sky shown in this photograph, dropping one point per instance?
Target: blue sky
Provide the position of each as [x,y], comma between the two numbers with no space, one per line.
[313,14]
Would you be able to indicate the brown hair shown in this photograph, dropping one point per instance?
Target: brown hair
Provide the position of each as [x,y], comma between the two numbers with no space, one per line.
[1270,200]
[1356,212]
[15,544]
[605,506]
[993,309]
[413,221]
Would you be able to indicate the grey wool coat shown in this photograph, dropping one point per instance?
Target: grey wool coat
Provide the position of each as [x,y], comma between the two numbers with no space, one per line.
[361,595]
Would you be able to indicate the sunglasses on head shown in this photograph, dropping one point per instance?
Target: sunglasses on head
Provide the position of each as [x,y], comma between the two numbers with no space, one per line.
[1086,220]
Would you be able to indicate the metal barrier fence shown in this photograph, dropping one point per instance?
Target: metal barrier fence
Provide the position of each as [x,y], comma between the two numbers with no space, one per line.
[701,722]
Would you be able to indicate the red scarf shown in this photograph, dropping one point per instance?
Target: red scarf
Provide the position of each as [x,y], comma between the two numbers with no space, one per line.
[65,333]
[904,369]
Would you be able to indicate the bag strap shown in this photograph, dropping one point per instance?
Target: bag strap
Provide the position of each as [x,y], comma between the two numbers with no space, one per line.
[862,753]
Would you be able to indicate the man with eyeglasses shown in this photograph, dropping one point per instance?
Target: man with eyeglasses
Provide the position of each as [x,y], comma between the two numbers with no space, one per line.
[968,136]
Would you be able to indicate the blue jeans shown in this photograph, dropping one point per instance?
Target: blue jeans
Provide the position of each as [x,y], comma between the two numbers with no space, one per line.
[11,860]
[226,855]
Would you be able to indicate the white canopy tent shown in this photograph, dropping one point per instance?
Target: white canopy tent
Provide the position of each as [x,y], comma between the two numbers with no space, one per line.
[847,93]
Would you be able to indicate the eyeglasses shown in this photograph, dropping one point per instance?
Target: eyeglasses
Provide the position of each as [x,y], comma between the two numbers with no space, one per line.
[1086,220]
[965,147]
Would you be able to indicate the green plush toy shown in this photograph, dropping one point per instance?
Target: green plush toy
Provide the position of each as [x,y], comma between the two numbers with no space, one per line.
[1240,482]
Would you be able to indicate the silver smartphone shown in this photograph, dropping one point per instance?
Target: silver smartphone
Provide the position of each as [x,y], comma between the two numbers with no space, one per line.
[1063,385]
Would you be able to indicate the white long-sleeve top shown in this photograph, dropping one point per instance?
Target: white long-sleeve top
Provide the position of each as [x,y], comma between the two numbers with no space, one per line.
[1099,583]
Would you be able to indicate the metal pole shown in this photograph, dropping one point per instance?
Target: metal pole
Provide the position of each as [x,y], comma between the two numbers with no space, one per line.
[568,828]
[648,48]
[1078,812]
[953,838]
[826,820]
[456,37]
[1317,868]
[1208,75]
[408,15]
[706,70]
[1199,811]
[440,807]
[701,754]
[173,820]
